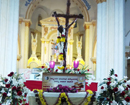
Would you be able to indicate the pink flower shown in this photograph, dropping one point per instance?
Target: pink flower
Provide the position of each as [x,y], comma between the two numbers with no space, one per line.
[7,85]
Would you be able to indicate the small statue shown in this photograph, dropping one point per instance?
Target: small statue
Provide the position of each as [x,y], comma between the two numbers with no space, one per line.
[34,45]
[79,46]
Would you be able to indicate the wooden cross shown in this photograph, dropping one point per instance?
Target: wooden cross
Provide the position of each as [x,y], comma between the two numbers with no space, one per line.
[67,16]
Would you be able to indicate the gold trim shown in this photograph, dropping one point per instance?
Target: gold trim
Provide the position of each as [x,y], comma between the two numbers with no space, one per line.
[48,42]
[20,21]
[27,24]
[100,1]
[87,25]
[93,59]
[71,41]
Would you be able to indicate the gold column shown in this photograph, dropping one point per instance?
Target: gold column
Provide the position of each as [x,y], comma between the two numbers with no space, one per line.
[100,1]
[70,52]
[87,32]
[26,41]
[43,51]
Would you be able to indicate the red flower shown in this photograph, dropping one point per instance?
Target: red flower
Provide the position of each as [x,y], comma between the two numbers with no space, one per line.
[7,85]
[66,69]
[108,99]
[115,89]
[18,88]
[102,87]
[42,67]
[56,70]
[125,81]
[26,104]
[24,99]
[88,69]
[14,88]
[79,72]
[108,83]
[6,80]
[20,101]
[128,86]
[11,74]
[109,79]
[77,69]
[48,68]
[116,75]
[4,94]
[123,93]
[25,94]
[19,93]
[127,99]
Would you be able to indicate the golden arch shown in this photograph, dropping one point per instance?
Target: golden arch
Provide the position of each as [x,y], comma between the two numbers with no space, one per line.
[34,4]
[52,32]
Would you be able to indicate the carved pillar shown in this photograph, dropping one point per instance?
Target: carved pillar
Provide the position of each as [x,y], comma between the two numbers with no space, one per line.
[43,51]
[9,12]
[87,35]
[70,52]
[26,41]
[110,38]
[47,51]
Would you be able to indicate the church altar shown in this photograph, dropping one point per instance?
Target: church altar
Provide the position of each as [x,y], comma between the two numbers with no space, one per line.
[51,98]
[37,84]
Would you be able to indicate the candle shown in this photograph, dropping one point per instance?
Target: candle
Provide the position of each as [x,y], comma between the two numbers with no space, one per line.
[76,64]
[52,64]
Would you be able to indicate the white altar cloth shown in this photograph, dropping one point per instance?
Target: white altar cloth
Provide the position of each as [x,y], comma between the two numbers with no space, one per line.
[51,97]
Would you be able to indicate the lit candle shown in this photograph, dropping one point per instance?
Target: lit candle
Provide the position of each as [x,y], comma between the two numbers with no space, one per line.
[76,64]
[52,64]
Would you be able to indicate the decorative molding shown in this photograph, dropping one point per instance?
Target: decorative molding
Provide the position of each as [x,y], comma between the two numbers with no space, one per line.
[27,24]
[19,57]
[100,1]
[71,41]
[93,59]
[27,2]
[87,4]
[87,25]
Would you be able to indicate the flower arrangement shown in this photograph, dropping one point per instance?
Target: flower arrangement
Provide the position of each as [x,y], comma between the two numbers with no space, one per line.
[13,90]
[83,70]
[61,88]
[114,91]
[63,98]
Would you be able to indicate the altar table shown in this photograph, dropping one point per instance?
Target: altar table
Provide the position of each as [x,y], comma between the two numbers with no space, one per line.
[51,98]
[36,84]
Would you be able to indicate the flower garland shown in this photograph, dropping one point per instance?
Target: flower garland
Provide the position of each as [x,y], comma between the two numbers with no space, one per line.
[60,42]
[62,95]
[41,96]
[89,97]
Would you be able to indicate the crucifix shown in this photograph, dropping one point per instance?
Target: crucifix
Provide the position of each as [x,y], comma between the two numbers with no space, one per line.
[67,16]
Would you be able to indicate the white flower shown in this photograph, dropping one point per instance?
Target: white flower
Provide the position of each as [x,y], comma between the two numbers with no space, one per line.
[2,91]
[14,81]
[113,76]
[128,82]
[125,77]
[114,102]
[120,88]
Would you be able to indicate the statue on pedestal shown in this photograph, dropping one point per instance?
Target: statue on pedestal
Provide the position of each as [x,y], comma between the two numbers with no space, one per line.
[34,45]
[79,47]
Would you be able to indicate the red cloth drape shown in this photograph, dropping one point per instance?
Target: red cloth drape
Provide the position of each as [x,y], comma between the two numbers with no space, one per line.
[32,84]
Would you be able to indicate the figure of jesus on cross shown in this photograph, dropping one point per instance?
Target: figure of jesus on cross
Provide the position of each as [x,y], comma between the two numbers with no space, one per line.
[67,16]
